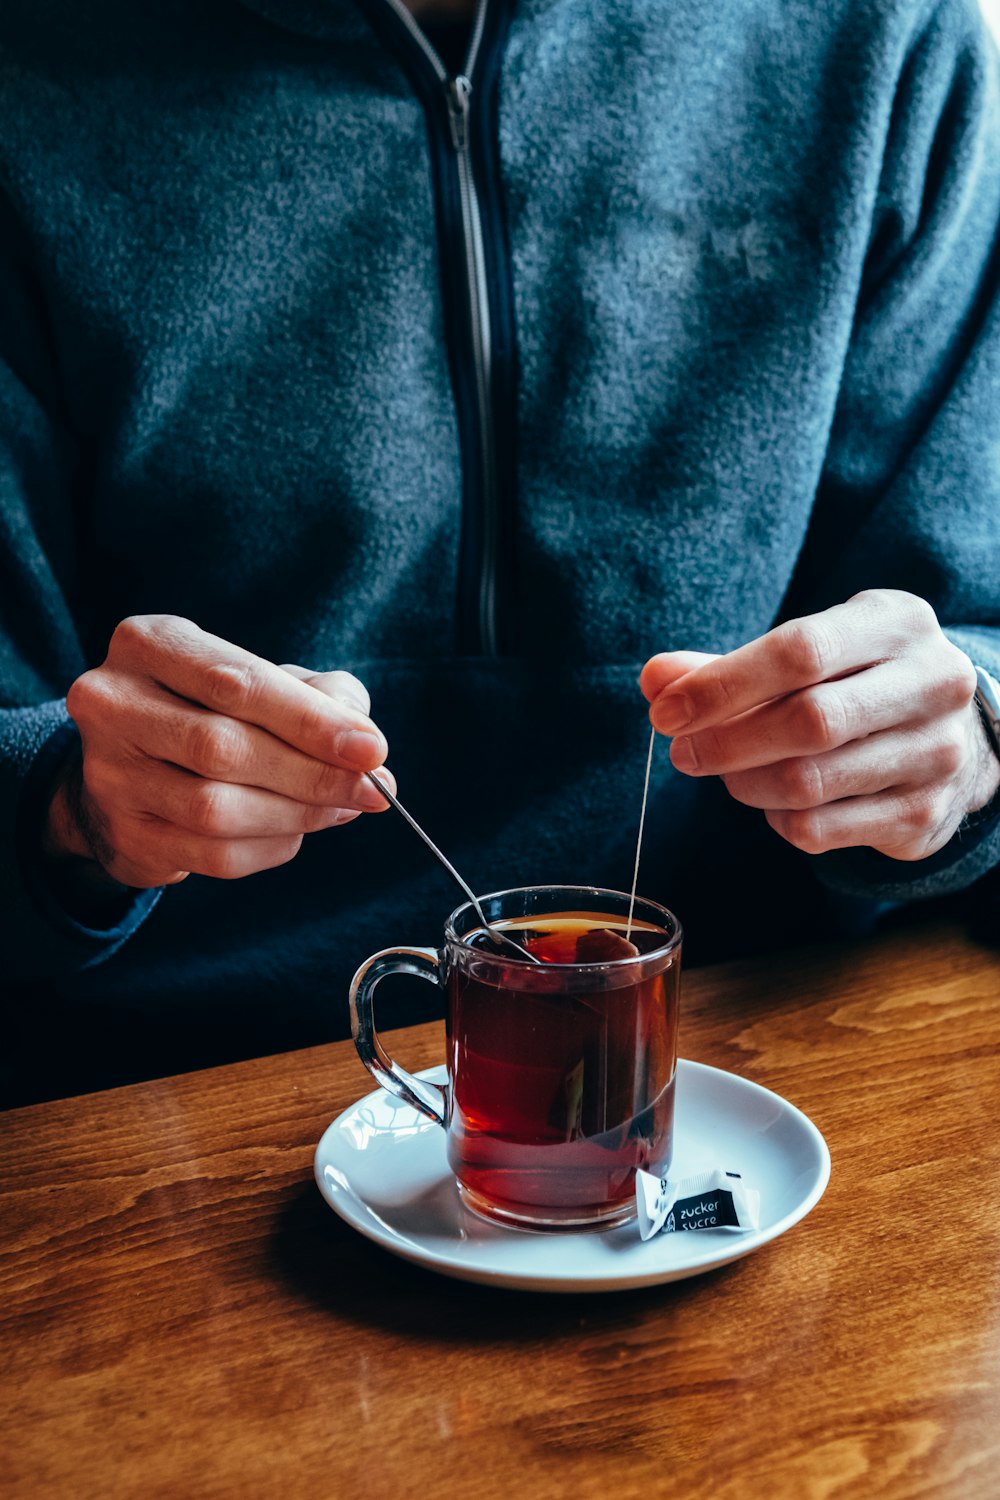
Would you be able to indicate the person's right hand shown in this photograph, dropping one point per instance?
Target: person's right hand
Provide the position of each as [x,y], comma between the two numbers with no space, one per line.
[200,757]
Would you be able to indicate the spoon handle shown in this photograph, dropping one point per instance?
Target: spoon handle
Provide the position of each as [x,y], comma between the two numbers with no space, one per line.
[498,937]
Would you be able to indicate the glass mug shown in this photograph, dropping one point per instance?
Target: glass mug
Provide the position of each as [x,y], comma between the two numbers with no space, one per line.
[560,1072]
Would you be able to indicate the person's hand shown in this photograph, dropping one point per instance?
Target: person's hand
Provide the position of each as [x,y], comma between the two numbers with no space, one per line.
[855,726]
[200,757]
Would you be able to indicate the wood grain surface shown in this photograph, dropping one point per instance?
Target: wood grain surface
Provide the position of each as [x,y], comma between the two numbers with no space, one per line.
[183,1316]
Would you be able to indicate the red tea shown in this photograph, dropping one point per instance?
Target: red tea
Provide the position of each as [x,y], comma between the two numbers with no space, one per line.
[562,1084]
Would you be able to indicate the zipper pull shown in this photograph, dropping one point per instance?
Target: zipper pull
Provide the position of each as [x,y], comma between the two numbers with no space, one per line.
[459,90]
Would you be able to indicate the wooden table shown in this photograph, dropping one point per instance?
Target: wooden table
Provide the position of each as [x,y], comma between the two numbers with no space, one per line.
[183,1316]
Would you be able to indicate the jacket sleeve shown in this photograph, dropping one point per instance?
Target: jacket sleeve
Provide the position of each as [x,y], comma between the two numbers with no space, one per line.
[41,484]
[910,496]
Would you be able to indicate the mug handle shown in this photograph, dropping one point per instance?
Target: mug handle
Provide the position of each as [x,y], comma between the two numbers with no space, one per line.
[429,1098]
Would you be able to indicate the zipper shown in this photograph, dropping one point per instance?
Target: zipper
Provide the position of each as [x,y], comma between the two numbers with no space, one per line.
[457,93]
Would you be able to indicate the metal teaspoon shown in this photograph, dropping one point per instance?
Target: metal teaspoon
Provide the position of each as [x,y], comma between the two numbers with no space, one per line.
[498,937]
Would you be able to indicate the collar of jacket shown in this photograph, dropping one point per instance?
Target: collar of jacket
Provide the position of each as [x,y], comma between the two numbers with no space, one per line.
[327,20]
[337,21]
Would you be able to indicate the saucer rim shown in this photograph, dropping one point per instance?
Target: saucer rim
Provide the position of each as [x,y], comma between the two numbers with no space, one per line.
[722,1249]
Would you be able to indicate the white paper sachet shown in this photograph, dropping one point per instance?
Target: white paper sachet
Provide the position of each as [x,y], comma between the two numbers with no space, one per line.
[710,1200]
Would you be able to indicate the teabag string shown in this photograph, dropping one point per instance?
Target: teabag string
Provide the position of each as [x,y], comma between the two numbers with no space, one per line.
[638,842]
[493,933]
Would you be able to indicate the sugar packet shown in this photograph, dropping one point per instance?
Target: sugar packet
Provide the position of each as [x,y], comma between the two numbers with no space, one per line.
[709,1200]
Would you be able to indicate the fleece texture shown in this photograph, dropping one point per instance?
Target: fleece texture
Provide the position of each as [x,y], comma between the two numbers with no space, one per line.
[752,254]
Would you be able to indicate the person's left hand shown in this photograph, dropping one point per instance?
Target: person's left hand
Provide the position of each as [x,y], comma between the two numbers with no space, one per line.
[853,726]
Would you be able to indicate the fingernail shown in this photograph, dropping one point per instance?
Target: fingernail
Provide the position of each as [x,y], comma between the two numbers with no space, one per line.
[671,712]
[369,796]
[682,753]
[362,748]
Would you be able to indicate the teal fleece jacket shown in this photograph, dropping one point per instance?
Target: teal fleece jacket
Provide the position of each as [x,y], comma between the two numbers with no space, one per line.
[741,264]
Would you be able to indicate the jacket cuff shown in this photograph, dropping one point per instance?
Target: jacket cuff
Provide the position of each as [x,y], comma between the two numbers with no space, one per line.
[57,929]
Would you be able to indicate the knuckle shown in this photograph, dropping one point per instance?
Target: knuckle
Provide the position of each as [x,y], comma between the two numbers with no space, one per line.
[948,756]
[924,812]
[88,695]
[800,782]
[207,807]
[819,719]
[221,860]
[215,863]
[211,747]
[137,634]
[228,859]
[806,648]
[231,686]
[912,613]
[917,613]
[131,633]
[804,829]
[959,679]
[877,600]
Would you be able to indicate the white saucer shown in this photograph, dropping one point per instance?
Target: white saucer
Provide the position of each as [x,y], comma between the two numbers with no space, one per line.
[382,1167]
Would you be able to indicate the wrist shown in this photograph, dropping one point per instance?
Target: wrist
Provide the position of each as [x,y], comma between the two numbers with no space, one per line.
[71,841]
[62,836]
[986,705]
[987,701]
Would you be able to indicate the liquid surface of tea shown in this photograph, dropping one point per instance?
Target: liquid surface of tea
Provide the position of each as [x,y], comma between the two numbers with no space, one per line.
[561,1094]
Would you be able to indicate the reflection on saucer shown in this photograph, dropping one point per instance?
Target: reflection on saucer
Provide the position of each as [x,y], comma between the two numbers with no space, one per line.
[382,1167]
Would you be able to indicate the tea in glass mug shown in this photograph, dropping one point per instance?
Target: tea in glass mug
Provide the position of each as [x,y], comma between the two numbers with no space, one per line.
[561,1066]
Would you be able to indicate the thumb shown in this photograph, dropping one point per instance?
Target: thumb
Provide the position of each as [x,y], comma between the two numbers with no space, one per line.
[668,668]
[340,685]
